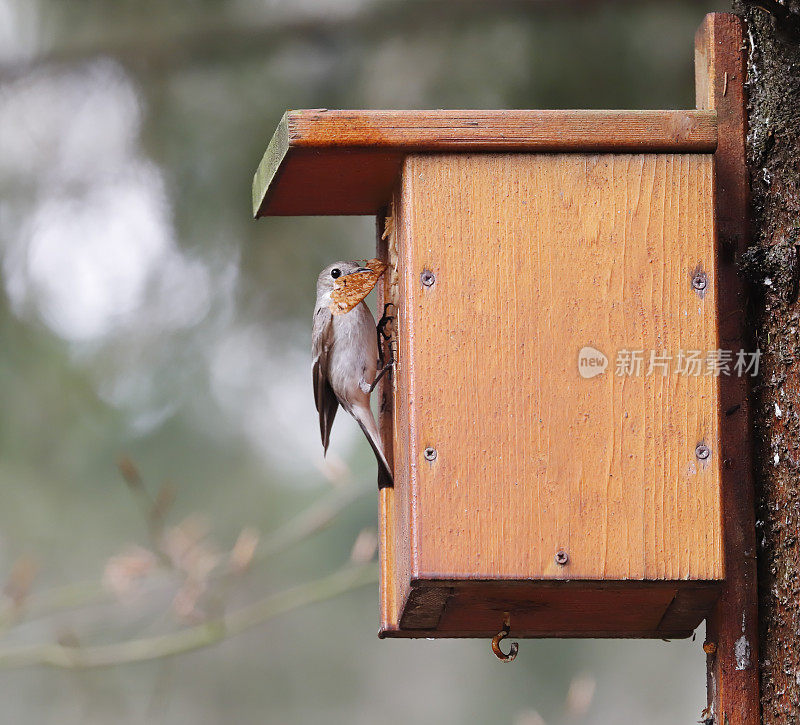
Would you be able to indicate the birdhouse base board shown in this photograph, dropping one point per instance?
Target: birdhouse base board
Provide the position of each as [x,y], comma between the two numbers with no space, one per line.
[664,610]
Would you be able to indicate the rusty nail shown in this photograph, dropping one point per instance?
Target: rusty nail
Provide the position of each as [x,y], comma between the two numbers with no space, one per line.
[709,648]
[430,454]
[427,277]
[561,557]
[703,452]
[728,463]
[700,282]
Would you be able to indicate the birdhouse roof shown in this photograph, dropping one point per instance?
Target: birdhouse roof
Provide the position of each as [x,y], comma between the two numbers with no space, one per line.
[322,162]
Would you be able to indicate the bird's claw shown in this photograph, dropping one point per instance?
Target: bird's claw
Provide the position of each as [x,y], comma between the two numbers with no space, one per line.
[385,369]
[382,337]
[385,319]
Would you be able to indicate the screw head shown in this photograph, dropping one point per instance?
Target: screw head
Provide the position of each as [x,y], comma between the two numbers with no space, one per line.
[427,277]
[700,282]
[702,452]
[430,454]
[561,557]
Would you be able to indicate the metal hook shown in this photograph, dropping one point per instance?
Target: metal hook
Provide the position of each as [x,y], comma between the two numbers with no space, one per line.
[499,637]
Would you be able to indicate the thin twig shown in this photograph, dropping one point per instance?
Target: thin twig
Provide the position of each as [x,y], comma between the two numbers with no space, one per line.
[343,580]
[73,596]
[57,599]
[308,522]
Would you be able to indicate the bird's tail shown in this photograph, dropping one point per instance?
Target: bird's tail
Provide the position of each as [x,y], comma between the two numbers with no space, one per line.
[367,423]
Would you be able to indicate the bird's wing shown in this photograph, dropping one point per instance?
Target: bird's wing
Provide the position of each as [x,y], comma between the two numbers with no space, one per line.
[367,424]
[324,398]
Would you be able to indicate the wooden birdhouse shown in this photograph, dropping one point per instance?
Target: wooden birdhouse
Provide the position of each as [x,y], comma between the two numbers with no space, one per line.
[553,419]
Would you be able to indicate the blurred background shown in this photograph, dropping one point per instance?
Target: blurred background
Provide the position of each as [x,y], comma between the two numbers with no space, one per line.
[160,462]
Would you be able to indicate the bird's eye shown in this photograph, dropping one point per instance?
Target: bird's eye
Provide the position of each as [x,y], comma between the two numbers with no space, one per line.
[336,273]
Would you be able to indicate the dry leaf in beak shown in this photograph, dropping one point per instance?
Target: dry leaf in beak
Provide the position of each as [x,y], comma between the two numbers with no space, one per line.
[350,289]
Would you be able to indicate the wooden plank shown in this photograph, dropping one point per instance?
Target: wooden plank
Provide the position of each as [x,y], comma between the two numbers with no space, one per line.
[387,557]
[425,606]
[404,382]
[347,162]
[394,511]
[732,630]
[558,609]
[504,130]
[689,608]
[578,610]
[535,257]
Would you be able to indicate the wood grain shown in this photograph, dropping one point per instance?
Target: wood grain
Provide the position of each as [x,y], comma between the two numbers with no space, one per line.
[388,560]
[347,162]
[563,609]
[536,256]
[733,684]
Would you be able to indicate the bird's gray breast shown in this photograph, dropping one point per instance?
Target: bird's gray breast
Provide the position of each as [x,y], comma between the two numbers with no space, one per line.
[354,356]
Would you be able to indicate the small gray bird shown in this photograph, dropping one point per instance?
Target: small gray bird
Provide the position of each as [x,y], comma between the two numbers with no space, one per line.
[344,346]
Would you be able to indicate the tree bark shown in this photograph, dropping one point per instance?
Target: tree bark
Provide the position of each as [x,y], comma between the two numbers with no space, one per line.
[771,266]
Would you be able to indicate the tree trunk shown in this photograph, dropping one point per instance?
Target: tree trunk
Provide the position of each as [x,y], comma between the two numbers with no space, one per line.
[771,266]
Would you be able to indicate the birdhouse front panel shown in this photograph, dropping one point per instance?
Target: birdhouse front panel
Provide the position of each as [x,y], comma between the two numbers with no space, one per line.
[553,415]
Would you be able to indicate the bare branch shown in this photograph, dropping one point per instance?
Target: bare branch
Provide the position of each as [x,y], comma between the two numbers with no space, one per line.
[343,580]
[82,594]
[312,520]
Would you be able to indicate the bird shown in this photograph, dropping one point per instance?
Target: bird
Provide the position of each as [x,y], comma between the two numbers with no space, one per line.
[344,347]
